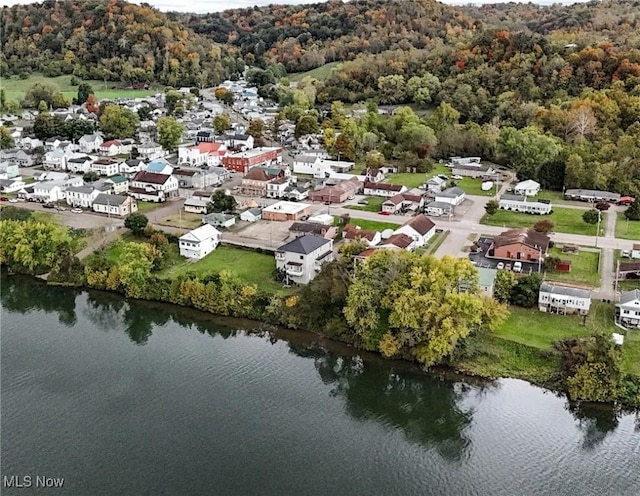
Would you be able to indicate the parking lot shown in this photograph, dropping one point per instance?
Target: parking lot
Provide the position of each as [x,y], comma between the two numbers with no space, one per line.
[480,259]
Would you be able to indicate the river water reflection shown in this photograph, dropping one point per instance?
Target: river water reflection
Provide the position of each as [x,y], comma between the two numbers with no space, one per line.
[134,398]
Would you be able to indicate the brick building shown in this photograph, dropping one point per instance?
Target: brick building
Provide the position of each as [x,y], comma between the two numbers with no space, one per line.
[243,161]
[519,244]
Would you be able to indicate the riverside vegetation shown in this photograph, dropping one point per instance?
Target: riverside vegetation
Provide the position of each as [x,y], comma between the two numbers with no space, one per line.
[403,305]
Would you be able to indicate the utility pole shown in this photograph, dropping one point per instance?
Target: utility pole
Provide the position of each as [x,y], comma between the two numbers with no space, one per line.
[615,283]
[598,227]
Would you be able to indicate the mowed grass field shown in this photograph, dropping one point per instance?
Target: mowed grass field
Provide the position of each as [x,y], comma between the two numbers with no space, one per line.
[16,88]
[584,268]
[566,220]
[627,229]
[320,73]
[374,225]
[413,180]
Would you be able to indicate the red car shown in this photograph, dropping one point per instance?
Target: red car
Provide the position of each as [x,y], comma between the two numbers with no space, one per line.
[626,200]
[382,212]
[4,198]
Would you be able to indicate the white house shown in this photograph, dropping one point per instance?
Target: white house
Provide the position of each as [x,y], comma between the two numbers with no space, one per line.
[196,205]
[628,309]
[302,258]
[90,143]
[150,151]
[80,164]
[199,242]
[527,188]
[251,215]
[383,189]
[296,194]
[635,251]
[519,203]
[119,184]
[81,196]
[438,209]
[436,184]
[48,191]
[239,141]
[12,185]
[419,228]
[154,187]
[219,219]
[105,167]
[563,299]
[276,188]
[111,148]
[56,159]
[453,196]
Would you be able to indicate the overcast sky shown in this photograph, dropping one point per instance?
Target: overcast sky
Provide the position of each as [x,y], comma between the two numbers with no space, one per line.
[201,6]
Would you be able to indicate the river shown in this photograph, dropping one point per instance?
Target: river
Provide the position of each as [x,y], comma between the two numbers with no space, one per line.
[136,398]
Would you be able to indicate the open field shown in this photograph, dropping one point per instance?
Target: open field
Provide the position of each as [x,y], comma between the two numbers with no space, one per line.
[627,229]
[145,207]
[374,224]
[473,187]
[16,88]
[631,353]
[413,180]
[375,204]
[408,179]
[566,220]
[320,73]
[253,267]
[185,221]
[584,268]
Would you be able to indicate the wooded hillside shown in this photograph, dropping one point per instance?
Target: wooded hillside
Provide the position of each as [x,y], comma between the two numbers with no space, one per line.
[112,40]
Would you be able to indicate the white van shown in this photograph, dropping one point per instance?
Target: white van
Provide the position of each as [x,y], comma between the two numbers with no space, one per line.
[517,266]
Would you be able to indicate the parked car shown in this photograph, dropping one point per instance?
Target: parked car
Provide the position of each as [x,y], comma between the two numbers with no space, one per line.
[457,177]
[76,210]
[48,205]
[508,266]
[384,212]
[363,202]
[603,205]
[444,176]
[60,209]
[500,266]
[625,253]
[517,266]
[4,198]
[13,200]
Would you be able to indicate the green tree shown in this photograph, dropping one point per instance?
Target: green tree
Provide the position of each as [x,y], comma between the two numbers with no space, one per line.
[136,222]
[42,92]
[256,128]
[169,133]
[633,212]
[307,124]
[222,123]
[221,202]
[90,177]
[374,159]
[133,268]
[84,90]
[144,112]
[491,207]
[445,117]
[228,98]
[525,292]
[591,216]
[74,129]
[505,280]
[6,140]
[527,150]
[118,122]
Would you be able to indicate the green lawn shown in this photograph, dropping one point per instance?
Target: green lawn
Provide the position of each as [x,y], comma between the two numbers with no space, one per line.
[546,194]
[409,179]
[540,330]
[145,207]
[16,88]
[186,220]
[320,73]
[631,353]
[253,267]
[375,204]
[473,187]
[566,220]
[624,285]
[373,225]
[584,268]
[627,229]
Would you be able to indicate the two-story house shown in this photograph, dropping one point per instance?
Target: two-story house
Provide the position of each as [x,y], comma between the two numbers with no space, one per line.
[563,299]
[154,187]
[82,196]
[116,205]
[628,309]
[200,242]
[105,167]
[255,183]
[90,143]
[80,164]
[150,151]
[206,153]
[302,259]
[277,188]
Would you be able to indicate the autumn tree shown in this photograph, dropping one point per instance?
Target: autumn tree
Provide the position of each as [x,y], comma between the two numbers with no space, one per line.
[169,132]
[118,122]
[505,280]
[408,303]
[544,226]
[256,129]
[221,123]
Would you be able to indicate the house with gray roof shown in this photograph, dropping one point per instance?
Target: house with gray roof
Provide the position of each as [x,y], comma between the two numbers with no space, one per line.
[554,298]
[454,196]
[302,259]
[219,220]
[116,205]
[82,196]
[628,309]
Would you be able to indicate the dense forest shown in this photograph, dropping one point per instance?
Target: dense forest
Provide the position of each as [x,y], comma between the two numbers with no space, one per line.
[114,40]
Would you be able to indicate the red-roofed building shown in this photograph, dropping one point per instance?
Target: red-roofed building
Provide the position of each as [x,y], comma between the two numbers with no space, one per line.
[202,154]
[243,161]
[399,241]
[338,193]
[115,147]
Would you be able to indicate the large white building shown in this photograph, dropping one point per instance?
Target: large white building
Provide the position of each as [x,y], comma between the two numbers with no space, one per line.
[527,188]
[303,258]
[563,299]
[199,242]
[152,186]
[519,203]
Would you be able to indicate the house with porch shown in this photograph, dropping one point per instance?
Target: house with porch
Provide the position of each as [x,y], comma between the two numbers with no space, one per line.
[150,151]
[219,220]
[302,259]
[200,242]
[419,228]
[563,300]
[628,309]
[80,164]
[154,187]
[81,196]
[90,143]
[196,205]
